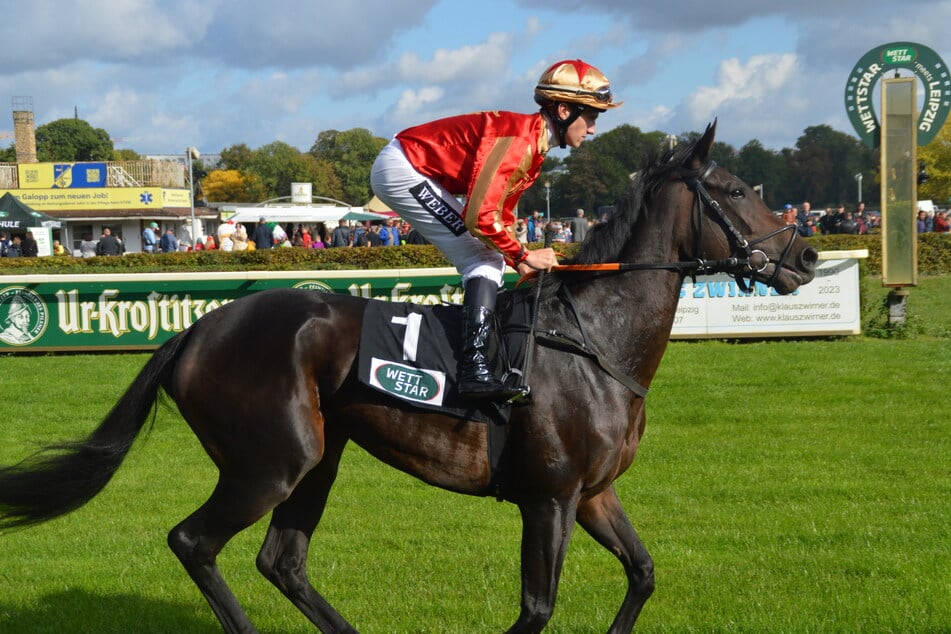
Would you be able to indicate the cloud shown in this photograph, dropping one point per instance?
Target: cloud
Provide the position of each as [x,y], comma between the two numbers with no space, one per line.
[738,83]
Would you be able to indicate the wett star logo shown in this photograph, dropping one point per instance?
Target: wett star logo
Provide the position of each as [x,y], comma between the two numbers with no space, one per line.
[23,314]
[407,382]
[145,198]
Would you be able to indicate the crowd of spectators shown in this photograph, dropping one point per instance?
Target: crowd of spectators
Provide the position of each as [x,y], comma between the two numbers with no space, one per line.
[232,236]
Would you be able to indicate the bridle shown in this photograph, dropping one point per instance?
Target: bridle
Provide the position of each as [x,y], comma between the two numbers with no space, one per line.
[746,261]
[743,265]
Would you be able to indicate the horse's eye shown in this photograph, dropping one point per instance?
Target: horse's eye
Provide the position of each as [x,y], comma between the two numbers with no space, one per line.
[737,193]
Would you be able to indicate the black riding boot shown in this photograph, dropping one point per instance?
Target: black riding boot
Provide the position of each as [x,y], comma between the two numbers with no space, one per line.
[476,377]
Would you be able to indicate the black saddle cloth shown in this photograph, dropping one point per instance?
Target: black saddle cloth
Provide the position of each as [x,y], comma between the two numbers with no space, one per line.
[411,352]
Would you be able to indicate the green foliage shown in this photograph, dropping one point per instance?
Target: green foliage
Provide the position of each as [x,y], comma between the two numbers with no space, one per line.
[236,157]
[125,155]
[934,250]
[351,154]
[72,140]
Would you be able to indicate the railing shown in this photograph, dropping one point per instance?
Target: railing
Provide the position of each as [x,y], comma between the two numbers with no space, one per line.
[144,173]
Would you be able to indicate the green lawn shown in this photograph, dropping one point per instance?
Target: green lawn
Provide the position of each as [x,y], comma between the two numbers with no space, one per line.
[782,486]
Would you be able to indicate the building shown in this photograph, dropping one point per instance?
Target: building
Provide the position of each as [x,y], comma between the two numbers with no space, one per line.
[124,196]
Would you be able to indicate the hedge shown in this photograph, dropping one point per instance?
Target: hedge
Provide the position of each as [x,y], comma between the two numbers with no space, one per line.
[934,258]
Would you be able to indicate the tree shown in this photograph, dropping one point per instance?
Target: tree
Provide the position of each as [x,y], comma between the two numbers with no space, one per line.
[824,164]
[351,154]
[278,165]
[236,157]
[758,166]
[125,155]
[72,140]
[233,186]
[937,159]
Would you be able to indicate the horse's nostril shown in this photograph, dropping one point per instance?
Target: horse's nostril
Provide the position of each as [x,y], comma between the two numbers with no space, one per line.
[809,257]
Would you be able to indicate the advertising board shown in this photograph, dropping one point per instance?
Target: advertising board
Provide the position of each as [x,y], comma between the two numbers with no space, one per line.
[141,311]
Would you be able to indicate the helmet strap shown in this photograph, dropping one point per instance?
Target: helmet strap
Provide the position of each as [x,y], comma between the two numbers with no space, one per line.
[562,125]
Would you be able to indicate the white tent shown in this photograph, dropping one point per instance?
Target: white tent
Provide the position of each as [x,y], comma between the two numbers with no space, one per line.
[298,214]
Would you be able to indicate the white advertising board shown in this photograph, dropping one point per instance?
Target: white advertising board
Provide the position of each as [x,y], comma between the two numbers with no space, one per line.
[714,306]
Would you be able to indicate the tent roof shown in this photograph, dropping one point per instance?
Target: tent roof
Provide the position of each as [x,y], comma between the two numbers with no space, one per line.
[378,206]
[15,214]
[299,213]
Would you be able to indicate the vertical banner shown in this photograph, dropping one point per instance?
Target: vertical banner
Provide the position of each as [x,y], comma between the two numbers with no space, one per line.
[899,183]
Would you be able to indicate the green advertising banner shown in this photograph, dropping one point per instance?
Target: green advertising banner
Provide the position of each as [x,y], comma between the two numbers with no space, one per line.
[141,311]
[121,312]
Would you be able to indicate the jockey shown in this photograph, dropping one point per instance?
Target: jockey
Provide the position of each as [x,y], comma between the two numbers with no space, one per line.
[489,159]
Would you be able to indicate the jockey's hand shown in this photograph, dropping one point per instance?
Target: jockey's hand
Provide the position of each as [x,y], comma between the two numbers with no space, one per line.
[538,260]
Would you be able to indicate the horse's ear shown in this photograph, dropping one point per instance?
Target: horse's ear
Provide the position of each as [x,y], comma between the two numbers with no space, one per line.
[701,150]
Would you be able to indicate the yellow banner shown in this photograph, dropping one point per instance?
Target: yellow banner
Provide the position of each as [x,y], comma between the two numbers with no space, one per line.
[102,199]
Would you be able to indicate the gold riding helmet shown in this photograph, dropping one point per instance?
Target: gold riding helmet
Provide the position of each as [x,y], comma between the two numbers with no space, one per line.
[575,81]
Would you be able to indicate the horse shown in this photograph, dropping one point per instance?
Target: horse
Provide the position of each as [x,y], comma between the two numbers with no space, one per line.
[276,429]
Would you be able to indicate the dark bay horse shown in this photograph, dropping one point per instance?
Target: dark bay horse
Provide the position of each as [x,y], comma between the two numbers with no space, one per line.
[276,428]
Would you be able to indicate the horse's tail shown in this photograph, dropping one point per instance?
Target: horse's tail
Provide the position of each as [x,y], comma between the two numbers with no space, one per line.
[62,477]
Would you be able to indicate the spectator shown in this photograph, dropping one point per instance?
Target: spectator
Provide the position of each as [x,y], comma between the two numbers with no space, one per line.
[389,234]
[414,237]
[941,224]
[30,248]
[578,226]
[521,231]
[240,237]
[87,248]
[210,244]
[922,221]
[168,243]
[109,244]
[373,236]
[4,244]
[341,235]
[803,214]
[58,248]
[789,215]
[848,224]
[149,238]
[15,250]
[226,235]
[263,235]
[531,227]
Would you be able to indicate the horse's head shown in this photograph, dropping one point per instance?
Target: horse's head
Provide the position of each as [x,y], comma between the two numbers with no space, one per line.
[685,213]
[733,231]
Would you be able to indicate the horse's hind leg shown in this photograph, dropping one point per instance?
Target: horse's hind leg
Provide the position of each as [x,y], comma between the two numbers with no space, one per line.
[283,557]
[604,519]
[234,505]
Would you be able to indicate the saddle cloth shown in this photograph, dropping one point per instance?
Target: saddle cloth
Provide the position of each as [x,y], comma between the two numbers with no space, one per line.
[411,352]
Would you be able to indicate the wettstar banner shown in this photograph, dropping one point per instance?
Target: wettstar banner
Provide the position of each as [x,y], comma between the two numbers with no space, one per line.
[141,311]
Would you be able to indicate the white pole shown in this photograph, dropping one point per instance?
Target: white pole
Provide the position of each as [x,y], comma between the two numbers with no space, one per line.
[190,153]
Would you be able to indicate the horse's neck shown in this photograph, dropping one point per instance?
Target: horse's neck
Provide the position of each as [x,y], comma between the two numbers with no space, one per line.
[631,313]
[628,317]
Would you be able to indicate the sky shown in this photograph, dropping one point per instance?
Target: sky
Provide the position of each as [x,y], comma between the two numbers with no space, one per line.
[163,75]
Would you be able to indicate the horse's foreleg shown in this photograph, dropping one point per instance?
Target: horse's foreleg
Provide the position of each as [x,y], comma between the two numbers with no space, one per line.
[604,519]
[546,531]
[283,557]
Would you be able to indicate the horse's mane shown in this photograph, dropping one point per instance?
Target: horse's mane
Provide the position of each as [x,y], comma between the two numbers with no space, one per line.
[605,241]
